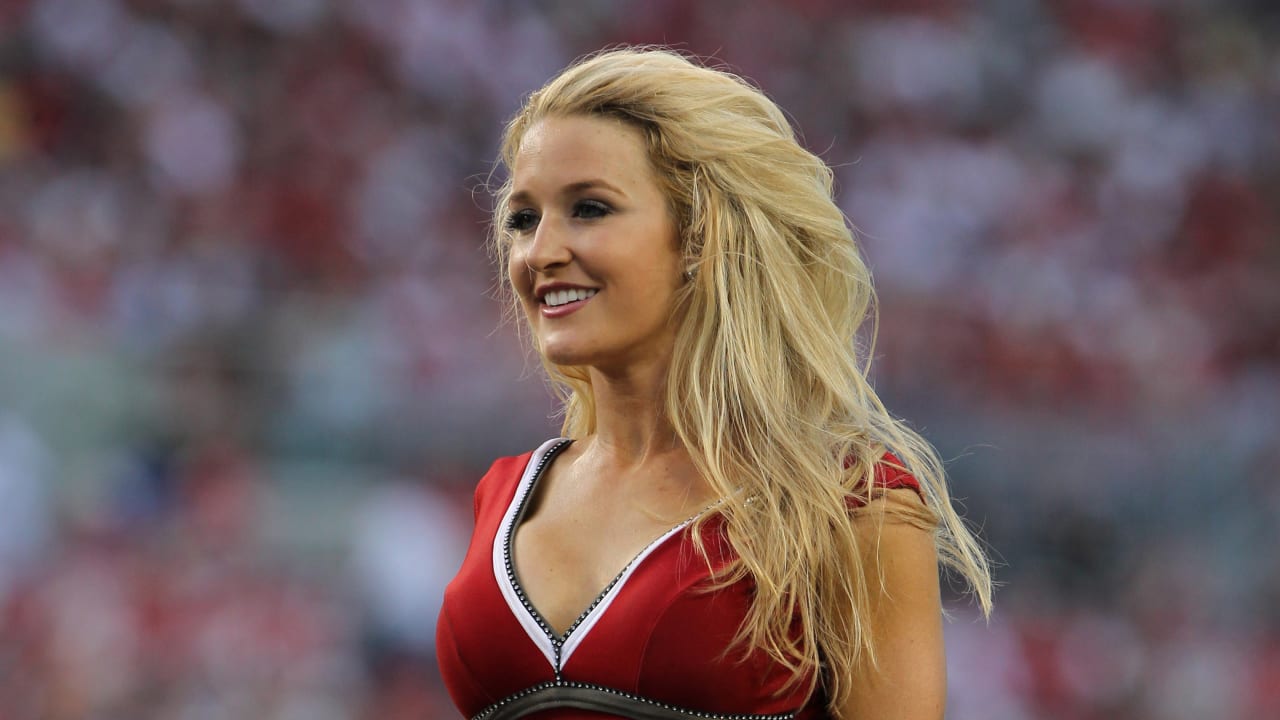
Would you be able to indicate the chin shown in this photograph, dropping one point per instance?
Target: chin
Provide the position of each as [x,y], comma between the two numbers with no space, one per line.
[565,353]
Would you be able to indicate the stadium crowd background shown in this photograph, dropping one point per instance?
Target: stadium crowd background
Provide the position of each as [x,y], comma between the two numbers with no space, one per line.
[250,365]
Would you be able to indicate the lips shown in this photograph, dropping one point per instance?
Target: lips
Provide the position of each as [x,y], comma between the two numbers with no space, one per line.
[557,300]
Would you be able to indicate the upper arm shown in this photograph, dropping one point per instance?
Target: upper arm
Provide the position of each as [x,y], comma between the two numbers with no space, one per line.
[900,564]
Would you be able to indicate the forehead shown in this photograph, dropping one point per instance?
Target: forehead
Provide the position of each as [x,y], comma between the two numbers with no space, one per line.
[559,151]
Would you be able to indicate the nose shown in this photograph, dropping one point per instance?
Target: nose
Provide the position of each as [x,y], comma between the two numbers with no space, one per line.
[548,247]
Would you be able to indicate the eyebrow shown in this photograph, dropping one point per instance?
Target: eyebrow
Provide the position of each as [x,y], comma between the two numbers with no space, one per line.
[573,188]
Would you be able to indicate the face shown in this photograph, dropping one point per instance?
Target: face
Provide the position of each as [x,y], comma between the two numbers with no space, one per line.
[594,256]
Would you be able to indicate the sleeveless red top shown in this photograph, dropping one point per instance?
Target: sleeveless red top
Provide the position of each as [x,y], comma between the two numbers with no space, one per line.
[653,638]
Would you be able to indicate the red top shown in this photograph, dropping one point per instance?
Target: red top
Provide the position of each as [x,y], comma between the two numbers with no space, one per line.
[654,633]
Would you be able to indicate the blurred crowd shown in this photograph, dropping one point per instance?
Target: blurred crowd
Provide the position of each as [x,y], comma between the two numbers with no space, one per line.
[251,361]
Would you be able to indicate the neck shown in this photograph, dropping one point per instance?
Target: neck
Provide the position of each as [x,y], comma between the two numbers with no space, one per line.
[634,449]
[631,418]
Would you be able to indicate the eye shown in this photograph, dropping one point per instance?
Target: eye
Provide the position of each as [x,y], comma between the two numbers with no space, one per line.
[522,221]
[590,209]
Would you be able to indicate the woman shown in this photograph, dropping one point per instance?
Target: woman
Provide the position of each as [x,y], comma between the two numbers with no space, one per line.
[722,533]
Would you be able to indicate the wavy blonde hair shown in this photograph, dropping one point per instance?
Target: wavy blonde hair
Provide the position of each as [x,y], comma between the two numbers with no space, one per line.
[767,388]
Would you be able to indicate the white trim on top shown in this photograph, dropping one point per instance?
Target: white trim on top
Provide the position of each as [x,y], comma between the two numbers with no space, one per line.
[500,540]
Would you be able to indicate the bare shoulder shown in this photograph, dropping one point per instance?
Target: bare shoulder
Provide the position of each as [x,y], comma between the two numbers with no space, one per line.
[900,563]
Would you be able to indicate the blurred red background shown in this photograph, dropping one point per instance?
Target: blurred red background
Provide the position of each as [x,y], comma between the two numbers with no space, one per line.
[250,363]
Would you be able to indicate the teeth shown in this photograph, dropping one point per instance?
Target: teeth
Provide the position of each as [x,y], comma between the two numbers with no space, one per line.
[556,298]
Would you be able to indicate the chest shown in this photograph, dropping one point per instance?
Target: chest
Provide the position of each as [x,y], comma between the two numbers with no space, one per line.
[655,630]
[574,532]
[566,555]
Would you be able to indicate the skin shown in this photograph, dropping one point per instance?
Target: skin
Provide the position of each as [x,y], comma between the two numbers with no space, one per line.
[587,211]
[906,620]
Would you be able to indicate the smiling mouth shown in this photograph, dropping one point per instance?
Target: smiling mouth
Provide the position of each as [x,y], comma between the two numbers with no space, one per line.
[556,298]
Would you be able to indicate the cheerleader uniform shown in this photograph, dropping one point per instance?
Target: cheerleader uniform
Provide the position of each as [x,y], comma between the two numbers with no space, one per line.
[651,646]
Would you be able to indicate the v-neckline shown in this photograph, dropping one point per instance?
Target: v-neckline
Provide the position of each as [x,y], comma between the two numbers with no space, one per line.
[557,647]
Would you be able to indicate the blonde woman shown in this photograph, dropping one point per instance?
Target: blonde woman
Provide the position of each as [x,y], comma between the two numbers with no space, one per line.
[732,526]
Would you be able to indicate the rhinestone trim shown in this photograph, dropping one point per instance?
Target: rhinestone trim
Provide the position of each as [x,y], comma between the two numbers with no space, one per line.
[557,642]
[642,704]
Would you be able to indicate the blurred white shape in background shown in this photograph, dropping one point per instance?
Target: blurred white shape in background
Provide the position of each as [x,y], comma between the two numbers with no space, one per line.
[77,215]
[193,144]
[915,63]
[26,518]
[926,206]
[1102,657]
[27,292]
[1198,676]
[984,668]
[79,33]
[150,63]
[286,16]
[408,543]
[400,197]
[1080,103]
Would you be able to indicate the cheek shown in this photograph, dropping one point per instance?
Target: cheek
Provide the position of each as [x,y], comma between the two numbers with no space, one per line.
[518,275]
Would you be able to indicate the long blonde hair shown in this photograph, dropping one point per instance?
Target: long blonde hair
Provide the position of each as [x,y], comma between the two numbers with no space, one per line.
[767,388]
